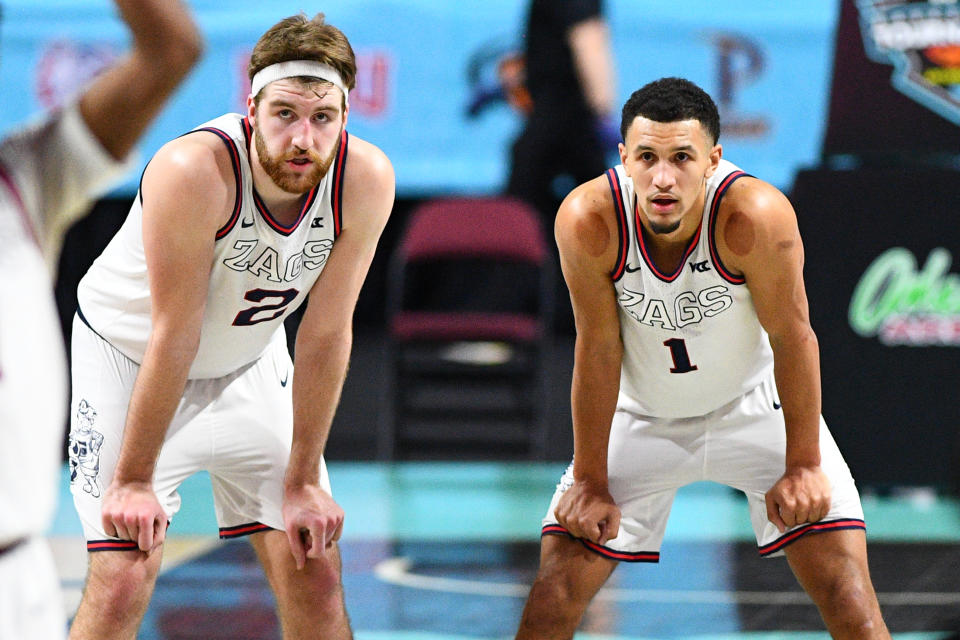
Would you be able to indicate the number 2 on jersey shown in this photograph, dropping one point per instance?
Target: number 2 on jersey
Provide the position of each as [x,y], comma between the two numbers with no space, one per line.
[246,317]
[681,359]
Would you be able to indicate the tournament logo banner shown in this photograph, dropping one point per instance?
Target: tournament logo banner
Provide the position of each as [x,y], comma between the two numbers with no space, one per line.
[921,39]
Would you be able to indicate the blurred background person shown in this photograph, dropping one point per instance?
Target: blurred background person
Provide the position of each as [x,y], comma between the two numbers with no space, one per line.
[51,171]
[570,128]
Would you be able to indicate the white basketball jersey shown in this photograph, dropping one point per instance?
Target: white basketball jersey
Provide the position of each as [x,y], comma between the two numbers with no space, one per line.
[691,339]
[262,270]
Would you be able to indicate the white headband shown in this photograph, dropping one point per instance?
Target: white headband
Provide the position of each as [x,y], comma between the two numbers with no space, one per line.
[294,68]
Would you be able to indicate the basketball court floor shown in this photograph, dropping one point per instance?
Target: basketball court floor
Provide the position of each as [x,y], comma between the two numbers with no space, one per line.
[447,551]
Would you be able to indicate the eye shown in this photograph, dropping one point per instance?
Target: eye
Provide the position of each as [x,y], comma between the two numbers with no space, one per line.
[681,157]
[647,156]
[285,114]
[321,116]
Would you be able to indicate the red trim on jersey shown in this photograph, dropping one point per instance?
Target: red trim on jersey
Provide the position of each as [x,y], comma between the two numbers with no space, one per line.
[111,545]
[622,237]
[607,552]
[274,224]
[336,196]
[7,179]
[242,530]
[649,260]
[235,163]
[714,208]
[814,527]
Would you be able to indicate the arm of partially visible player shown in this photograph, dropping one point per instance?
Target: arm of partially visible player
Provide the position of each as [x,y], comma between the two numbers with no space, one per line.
[63,162]
[185,200]
[760,234]
[324,339]
[120,104]
[586,236]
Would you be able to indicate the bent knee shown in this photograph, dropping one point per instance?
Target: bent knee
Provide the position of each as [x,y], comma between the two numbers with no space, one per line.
[118,580]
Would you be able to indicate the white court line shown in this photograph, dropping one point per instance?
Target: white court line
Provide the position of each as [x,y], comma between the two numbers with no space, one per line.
[397,571]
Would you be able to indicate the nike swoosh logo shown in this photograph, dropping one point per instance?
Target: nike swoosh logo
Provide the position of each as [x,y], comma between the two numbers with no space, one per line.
[246,223]
[283,382]
[630,269]
[776,405]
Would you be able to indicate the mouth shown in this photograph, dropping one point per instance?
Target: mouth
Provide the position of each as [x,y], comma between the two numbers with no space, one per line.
[299,163]
[663,204]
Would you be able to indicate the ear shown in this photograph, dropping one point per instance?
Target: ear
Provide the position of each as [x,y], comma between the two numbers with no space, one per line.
[251,109]
[622,150]
[715,154]
[346,112]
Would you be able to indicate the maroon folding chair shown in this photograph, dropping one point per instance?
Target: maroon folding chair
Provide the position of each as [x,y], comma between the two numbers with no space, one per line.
[467,374]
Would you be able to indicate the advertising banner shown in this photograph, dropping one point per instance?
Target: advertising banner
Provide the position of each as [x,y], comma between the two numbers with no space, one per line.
[883,280]
[428,90]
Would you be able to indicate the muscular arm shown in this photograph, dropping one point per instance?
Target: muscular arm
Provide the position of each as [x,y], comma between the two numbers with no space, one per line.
[586,237]
[185,201]
[123,100]
[761,238]
[323,345]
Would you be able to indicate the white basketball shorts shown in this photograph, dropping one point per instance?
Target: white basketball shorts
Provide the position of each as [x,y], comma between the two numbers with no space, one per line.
[741,444]
[238,428]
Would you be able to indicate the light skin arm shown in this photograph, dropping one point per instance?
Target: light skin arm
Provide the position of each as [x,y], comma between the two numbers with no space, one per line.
[586,236]
[185,200]
[122,101]
[760,239]
[312,519]
[592,55]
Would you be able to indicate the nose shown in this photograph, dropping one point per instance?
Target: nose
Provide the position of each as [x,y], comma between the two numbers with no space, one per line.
[302,134]
[663,176]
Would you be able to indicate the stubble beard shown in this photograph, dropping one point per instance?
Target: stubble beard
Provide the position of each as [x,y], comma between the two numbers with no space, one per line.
[275,166]
[664,229]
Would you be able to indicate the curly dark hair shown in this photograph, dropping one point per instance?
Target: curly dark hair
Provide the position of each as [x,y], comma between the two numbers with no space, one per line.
[670,100]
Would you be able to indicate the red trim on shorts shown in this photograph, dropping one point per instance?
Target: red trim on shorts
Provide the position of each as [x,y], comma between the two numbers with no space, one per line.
[814,527]
[241,530]
[111,545]
[606,552]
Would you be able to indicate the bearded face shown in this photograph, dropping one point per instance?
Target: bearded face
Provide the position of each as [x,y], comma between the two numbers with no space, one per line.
[294,170]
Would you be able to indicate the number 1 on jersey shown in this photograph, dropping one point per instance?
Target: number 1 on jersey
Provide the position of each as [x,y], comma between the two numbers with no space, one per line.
[681,359]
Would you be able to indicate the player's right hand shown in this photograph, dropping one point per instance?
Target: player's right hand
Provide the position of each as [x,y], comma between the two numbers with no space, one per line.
[588,511]
[131,511]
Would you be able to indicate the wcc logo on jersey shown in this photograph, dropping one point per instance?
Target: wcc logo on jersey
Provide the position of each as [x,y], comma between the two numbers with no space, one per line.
[921,39]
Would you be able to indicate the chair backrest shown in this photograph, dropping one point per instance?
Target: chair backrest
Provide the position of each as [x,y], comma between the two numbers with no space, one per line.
[495,227]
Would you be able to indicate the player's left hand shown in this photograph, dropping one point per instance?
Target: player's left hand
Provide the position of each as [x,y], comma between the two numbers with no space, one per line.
[312,520]
[802,494]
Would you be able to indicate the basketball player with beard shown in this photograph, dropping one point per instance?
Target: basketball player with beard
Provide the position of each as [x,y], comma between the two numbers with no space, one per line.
[179,347]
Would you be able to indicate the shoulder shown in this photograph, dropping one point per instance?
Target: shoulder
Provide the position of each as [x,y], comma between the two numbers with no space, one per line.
[586,224]
[196,168]
[197,156]
[754,218]
[368,182]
